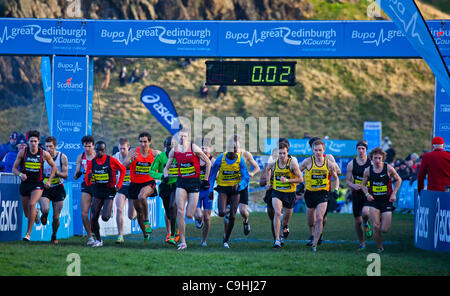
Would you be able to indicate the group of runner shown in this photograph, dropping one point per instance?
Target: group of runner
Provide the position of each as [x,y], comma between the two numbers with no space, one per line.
[188,174]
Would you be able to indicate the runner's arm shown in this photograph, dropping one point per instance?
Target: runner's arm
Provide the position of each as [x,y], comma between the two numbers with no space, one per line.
[64,173]
[169,162]
[15,169]
[245,177]
[117,166]
[214,170]
[253,163]
[157,168]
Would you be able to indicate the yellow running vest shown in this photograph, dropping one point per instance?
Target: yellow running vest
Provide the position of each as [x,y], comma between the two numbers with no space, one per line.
[316,178]
[229,174]
[285,172]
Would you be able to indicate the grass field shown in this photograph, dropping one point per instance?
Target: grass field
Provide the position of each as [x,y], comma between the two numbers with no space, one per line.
[252,255]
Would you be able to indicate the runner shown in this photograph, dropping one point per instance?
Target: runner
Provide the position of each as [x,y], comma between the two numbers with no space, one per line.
[317,184]
[379,193]
[232,177]
[139,161]
[244,194]
[167,190]
[56,193]
[31,161]
[101,175]
[188,184]
[86,191]
[202,218]
[311,218]
[286,174]
[354,177]
[122,195]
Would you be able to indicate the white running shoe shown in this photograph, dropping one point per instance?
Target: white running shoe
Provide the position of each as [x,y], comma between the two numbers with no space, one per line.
[203,244]
[90,241]
[182,246]
[226,245]
[97,244]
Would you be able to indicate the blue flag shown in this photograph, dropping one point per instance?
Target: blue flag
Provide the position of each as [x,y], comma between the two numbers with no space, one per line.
[407,17]
[159,104]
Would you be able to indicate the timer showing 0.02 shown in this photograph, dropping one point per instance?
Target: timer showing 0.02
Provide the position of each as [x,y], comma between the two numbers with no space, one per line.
[250,73]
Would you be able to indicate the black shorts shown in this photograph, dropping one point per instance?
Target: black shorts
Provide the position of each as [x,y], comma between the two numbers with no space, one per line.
[382,204]
[86,189]
[26,188]
[268,198]
[244,196]
[124,190]
[358,202]
[103,192]
[228,190]
[314,198]
[135,188]
[55,194]
[191,185]
[165,190]
[287,198]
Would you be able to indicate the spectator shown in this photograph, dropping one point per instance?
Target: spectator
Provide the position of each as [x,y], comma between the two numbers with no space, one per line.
[107,71]
[8,161]
[185,63]
[435,165]
[386,144]
[390,153]
[144,74]
[9,146]
[222,90]
[135,76]
[404,171]
[203,90]
[123,76]
[306,136]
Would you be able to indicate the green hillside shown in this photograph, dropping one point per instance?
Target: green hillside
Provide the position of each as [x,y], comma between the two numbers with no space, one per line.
[332,97]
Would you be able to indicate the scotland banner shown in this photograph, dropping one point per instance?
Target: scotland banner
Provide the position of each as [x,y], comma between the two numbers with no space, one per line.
[159,104]
[406,15]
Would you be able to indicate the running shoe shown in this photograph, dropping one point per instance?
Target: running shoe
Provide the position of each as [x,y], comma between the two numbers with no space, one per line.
[226,245]
[97,244]
[310,241]
[147,227]
[177,235]
[90,241]
[361,248]
[282,240]
[313,249]
[203,244]
[54,240]
[182,246]
[368,230]
[199,223]
[146,238]
[277,244]
[120,239]
[171,241]
[26,238]
[246,228]
[380,250]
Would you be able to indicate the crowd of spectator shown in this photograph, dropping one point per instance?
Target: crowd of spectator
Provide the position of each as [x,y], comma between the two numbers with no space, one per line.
[9,150]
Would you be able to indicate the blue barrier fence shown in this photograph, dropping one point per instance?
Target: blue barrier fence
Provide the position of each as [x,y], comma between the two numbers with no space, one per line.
[432,220]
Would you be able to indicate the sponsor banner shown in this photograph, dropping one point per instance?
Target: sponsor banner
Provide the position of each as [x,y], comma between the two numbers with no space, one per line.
[406,16]
[10,212]
[158,38]
[159,104]
[442,114]
[70,109]
[288,38]
[46,74]
[45,36]
[301,147]
[372,134]
[432,220]
[213,38]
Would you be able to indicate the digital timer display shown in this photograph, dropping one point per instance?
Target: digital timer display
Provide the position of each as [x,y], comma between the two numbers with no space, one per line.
[250,73]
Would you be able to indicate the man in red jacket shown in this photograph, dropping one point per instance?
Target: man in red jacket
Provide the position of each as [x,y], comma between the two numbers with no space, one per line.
[435,164]
[101,172]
